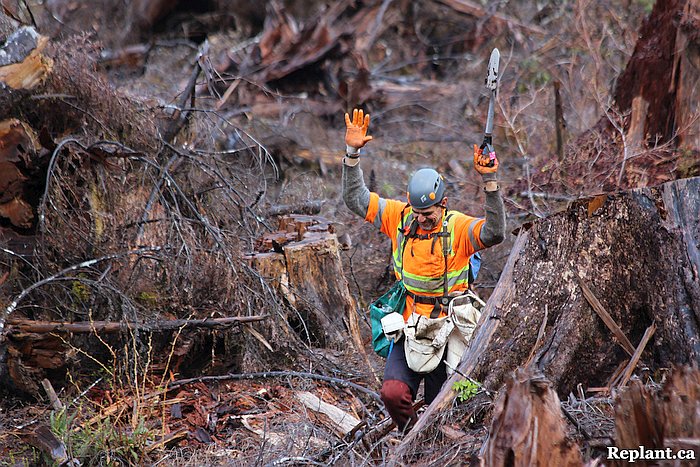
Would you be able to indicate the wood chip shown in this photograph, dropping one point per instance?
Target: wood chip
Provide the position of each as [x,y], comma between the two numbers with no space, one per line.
[343,421]
[55,401]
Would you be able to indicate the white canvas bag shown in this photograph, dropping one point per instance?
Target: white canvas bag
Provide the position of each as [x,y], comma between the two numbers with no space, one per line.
[425,341]
[464,317]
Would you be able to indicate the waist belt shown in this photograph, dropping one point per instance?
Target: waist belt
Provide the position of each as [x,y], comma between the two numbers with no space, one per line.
[425,300]
[437,302]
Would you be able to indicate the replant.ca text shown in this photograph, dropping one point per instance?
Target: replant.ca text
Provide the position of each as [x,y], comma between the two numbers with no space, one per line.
[644,454]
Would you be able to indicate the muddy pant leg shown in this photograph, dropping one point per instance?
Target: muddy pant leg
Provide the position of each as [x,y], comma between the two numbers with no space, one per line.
[400,388]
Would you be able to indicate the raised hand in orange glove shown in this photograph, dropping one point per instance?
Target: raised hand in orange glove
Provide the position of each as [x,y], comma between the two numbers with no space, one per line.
[356,131]
[481,164]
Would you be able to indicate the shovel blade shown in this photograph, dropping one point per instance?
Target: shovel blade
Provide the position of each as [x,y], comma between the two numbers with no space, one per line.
[492,72]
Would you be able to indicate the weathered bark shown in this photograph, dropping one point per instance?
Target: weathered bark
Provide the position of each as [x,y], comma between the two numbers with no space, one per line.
[19,151]
[669,419]
[528,428]
[687,75]
[662,74]
[638,252]
[650,134]
[27,358]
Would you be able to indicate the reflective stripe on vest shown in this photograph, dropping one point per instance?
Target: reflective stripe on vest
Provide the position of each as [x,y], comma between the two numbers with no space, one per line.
[428,284]
[380,213]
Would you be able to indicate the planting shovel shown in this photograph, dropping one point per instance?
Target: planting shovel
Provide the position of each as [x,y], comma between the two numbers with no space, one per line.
[491,85]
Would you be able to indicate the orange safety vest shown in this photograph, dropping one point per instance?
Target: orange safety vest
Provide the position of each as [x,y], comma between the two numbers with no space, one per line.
[419,261]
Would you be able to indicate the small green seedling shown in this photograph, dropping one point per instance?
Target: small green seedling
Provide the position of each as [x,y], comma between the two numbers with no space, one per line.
[465,389]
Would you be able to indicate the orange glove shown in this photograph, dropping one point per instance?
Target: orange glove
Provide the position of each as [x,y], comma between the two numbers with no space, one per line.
[481,162]
[356,130]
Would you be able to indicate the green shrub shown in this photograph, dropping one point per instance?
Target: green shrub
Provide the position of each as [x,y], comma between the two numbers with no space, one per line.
[466,389]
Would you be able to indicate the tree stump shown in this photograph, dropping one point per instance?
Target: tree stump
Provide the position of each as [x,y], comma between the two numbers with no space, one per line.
[302,261]
[528,427]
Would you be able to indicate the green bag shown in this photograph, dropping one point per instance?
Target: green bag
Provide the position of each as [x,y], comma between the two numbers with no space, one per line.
[394,301]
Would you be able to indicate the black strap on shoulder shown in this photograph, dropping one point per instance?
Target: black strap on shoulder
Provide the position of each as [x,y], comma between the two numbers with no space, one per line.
[413,227]
[445,234]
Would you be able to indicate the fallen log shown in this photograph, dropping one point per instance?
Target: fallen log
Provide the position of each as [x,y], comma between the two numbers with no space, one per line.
[343,422]
[475,9]
[35,350]
[309,208]
[26,325]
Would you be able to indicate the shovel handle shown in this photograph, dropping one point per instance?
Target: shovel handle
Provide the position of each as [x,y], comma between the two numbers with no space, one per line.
[487,148]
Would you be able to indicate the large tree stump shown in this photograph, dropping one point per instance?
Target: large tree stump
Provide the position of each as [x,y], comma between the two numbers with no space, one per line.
[650,134]
[687,70]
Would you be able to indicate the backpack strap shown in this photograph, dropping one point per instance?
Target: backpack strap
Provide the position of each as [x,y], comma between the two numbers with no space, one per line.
[412,229]
[406,236]
[445,234]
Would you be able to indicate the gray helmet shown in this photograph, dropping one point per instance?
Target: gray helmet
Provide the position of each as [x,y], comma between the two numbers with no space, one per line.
[425,188]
